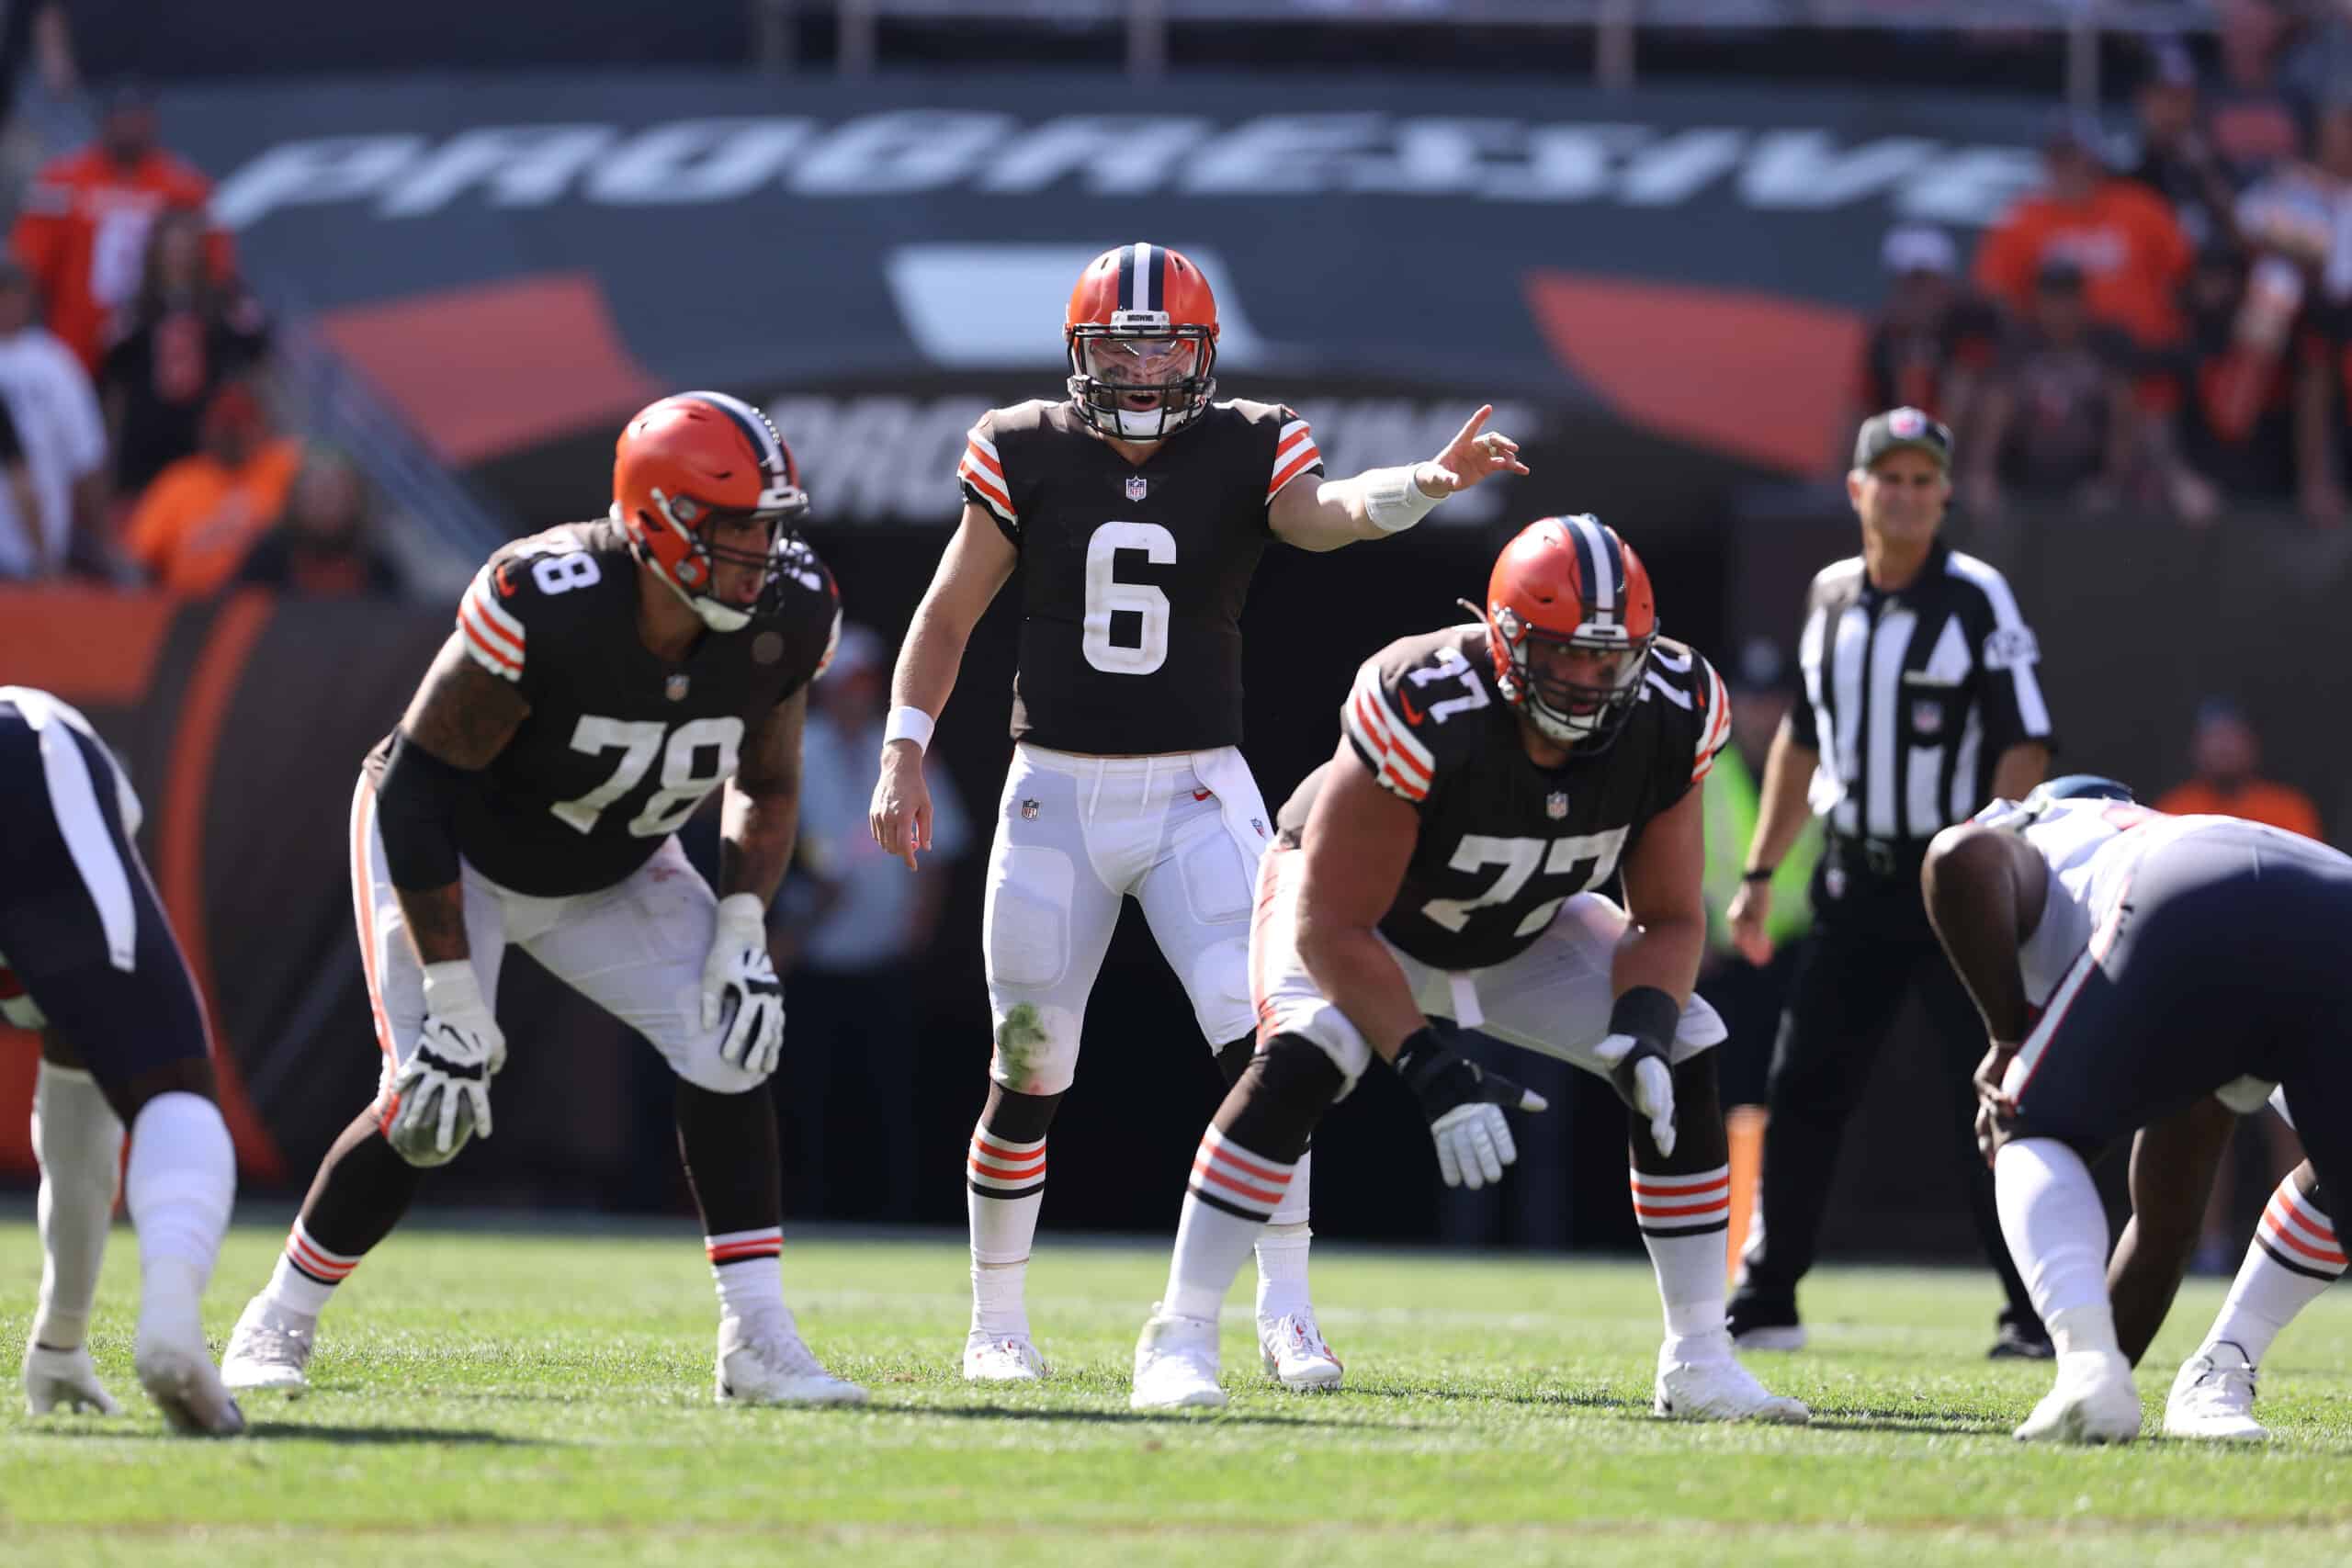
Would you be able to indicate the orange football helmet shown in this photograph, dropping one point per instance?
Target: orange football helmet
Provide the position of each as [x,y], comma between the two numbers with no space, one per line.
[1570,584]
[1141,324]
[687,461]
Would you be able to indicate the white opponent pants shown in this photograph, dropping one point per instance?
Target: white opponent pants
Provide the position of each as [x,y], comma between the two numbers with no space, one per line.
[636,949]
[1180,834]
[1554,998]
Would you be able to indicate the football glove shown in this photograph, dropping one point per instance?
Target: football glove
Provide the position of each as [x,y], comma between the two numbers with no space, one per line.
[444,1088]
[1464,1103]
[740,987]
[1634,1055]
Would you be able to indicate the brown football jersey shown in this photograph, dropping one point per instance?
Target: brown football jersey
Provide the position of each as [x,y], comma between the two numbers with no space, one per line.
[1133,576]
[1503,842]
[620,746]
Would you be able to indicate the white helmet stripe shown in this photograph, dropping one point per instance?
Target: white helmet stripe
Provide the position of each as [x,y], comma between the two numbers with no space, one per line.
[1145,299]
[776,466]
[1601,582]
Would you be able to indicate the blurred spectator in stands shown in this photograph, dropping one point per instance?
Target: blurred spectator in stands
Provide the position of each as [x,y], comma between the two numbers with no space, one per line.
[2226,756]
[2235,384]
[2059,419]
[1933,341]
[83,233]
[2327,462]
[2331,158]
[323,546]
[2255,117]
[195,525]
[2118,233]
[55,413]
[853,943]
[2177,157]
[23,552]
[184,334]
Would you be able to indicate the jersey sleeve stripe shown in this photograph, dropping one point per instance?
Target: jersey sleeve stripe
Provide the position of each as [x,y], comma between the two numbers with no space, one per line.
[987,447]
[486,653]
[983,455]
[1397,770]
[1717,729]
[1298,463]
[988,487]
[1422,759]
[499,622]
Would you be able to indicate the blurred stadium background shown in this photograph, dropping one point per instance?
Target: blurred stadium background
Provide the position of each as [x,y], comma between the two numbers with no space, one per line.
[1682,244]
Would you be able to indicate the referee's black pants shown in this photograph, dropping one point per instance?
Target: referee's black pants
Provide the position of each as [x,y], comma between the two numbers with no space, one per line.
[1868,950]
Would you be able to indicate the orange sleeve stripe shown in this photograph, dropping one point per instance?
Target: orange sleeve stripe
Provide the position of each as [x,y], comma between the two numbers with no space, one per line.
[1298,465]
[977,476]
[483,612]
[1375,723]
[488,650]
[974,453]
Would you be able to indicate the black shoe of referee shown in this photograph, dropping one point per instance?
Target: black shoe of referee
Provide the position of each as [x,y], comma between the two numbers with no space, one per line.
[1759,1322]
[2016,1344]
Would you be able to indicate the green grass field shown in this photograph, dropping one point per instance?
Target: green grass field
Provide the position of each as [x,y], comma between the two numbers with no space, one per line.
[487,1397]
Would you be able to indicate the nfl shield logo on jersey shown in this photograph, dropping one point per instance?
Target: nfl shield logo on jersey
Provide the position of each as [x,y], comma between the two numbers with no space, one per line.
[1135,487]
[1028,811]
[1928,717]
[1555,805]
[674,688]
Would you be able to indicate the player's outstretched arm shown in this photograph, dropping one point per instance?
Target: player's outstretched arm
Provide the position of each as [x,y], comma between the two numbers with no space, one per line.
[1381,502]
[460,719]
[759,817]
[977,562]
[1984,890]
[1657,961]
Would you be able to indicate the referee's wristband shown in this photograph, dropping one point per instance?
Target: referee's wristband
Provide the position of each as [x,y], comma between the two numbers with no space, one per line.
[908,724]
[1759,873]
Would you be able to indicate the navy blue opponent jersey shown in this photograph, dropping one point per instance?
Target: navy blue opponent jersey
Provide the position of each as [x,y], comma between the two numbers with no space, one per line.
[620,746]
[1504,844]
[1133,577]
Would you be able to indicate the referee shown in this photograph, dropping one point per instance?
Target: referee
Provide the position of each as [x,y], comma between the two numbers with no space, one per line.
[1920,705]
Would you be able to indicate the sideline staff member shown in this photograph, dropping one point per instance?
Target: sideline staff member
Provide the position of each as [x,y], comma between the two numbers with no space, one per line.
[1920,705]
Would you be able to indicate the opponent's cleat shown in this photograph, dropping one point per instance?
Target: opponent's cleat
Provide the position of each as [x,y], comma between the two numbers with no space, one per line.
[64,1379]
[1701,1380]
[1009,1358]
[1296,1355]
[269,1350]
[2014,1344]
[2212,1399]
[181,1379]
[763,1361]
[1176,1364]
[2093,1402]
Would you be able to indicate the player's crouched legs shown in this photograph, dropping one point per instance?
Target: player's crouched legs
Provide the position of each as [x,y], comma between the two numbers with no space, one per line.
[1682,1206]
[1240,1176]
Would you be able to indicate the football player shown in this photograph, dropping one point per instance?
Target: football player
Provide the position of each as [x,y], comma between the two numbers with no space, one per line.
[2089,931]
[1489,777]
[87,958]
[2295,1254]
[1140,506]
[603,680]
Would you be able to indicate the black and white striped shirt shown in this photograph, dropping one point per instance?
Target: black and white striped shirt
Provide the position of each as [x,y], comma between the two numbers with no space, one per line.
[1910,698]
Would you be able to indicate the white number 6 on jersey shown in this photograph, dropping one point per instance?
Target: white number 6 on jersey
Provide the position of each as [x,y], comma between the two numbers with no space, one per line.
[1106,594]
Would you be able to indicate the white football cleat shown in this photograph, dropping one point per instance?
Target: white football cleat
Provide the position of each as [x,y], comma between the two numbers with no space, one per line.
[2213,1398]
[1176,1364]
[763,1361]
[1008,1357]
[1296,1354]
[64,1379]
[174,1367]
[2093,1402]
[1699,1378]
[269,1350]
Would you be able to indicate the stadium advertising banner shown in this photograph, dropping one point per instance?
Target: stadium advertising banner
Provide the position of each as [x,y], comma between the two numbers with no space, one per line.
[517,260]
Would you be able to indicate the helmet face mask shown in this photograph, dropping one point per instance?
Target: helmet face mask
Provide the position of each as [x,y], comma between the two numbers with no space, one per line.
[694,469]
[1141,335]
[1571,625]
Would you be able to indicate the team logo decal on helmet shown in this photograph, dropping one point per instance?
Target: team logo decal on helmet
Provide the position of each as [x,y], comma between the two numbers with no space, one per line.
[686,464]
[1570,622]
[1141,332]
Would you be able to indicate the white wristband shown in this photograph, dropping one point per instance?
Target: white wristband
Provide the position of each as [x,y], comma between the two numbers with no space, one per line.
[908,724]
[450,986]
[1393,499]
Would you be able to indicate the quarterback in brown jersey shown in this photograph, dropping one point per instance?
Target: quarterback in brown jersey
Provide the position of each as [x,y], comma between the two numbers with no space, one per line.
[603,678]
[1488,778]
[1136,510]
